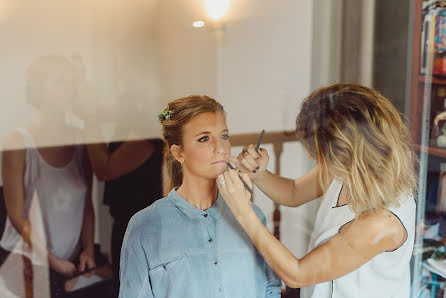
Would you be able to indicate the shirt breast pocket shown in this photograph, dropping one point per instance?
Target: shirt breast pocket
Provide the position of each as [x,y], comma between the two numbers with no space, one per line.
[168,278]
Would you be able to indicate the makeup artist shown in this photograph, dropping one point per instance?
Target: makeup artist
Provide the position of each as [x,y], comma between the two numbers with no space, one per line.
[363,236]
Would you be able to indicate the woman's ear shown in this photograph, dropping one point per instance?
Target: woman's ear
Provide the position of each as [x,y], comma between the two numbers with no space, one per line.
[177,153]
[310,156]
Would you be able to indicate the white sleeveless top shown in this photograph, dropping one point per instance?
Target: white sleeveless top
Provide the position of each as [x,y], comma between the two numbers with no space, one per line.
[54,201]
[386,275]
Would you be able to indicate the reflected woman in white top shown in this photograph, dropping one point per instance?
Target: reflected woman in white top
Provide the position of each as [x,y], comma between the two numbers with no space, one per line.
[48,189]
[364,231]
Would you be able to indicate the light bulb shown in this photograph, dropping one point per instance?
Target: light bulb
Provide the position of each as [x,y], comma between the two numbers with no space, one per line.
[217,9]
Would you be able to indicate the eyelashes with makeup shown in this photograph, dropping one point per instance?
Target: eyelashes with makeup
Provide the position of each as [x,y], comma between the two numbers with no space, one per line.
[206,138]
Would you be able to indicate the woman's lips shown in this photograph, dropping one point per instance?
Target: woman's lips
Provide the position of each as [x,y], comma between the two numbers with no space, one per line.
[219,161]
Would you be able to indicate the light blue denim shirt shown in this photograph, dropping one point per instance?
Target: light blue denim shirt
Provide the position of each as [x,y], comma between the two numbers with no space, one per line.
[173,249]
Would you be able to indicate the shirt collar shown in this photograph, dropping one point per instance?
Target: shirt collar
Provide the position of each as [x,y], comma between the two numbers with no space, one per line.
[191,211]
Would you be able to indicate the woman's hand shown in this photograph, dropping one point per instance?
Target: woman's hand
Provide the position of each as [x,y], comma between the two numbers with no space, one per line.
[253,162]
[86,261]
[234,193]
[61,266]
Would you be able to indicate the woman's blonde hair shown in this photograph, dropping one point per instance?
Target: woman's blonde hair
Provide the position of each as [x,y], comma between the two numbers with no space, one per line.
[357,136]
[183,110]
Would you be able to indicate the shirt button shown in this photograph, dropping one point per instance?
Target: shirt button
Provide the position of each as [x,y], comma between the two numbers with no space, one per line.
[215,262]
[205,215]
[210,240]
[164,267]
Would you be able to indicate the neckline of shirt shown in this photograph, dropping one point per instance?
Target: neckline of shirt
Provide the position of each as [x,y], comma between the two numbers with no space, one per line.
[193,212]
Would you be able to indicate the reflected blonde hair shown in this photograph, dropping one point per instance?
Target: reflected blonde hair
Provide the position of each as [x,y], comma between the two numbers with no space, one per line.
[184,109]
[357,136]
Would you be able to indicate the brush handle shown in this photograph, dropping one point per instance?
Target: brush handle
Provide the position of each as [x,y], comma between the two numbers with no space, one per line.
[244,183]
[260,140]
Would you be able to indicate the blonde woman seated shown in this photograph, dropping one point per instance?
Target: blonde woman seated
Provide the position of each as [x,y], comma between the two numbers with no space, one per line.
[189,244]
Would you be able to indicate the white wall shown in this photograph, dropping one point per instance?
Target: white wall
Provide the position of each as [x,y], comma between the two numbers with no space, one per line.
[115,40]
[326,42]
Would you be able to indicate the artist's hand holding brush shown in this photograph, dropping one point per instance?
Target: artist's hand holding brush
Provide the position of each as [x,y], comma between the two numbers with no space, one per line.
[236,189]
[235,185]
[253,162]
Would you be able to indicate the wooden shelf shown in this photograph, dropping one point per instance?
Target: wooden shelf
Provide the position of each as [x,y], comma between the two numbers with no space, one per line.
[435,80]
[432,150]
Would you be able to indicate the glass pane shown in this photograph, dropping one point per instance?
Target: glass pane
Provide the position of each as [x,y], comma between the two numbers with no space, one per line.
[84,84]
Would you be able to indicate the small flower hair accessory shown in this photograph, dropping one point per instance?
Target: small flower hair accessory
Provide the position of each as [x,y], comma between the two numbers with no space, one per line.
[165,115]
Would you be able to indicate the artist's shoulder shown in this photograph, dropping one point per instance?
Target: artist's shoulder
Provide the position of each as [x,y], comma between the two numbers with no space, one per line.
[379,228]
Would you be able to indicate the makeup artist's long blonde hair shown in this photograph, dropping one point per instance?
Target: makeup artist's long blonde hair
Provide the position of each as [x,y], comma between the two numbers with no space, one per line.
[183,109]
[356,135]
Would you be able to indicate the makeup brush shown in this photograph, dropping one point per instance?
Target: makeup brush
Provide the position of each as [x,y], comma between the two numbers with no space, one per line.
[246,185]
[260,140]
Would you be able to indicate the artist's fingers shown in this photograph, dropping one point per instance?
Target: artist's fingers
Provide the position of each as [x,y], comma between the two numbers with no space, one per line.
[235,178]
[240,165]
[228,178]
[221,184]
[263,153]
[264,158]
[245,149]
[234,161]
[249,163]
[252,151]
[245,177]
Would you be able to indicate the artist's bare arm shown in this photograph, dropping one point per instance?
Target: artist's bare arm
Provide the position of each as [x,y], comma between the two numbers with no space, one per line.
[358,241]
[355,245]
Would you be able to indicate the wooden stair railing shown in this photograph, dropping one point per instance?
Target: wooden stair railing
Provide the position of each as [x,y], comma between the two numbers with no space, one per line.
[277,139]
